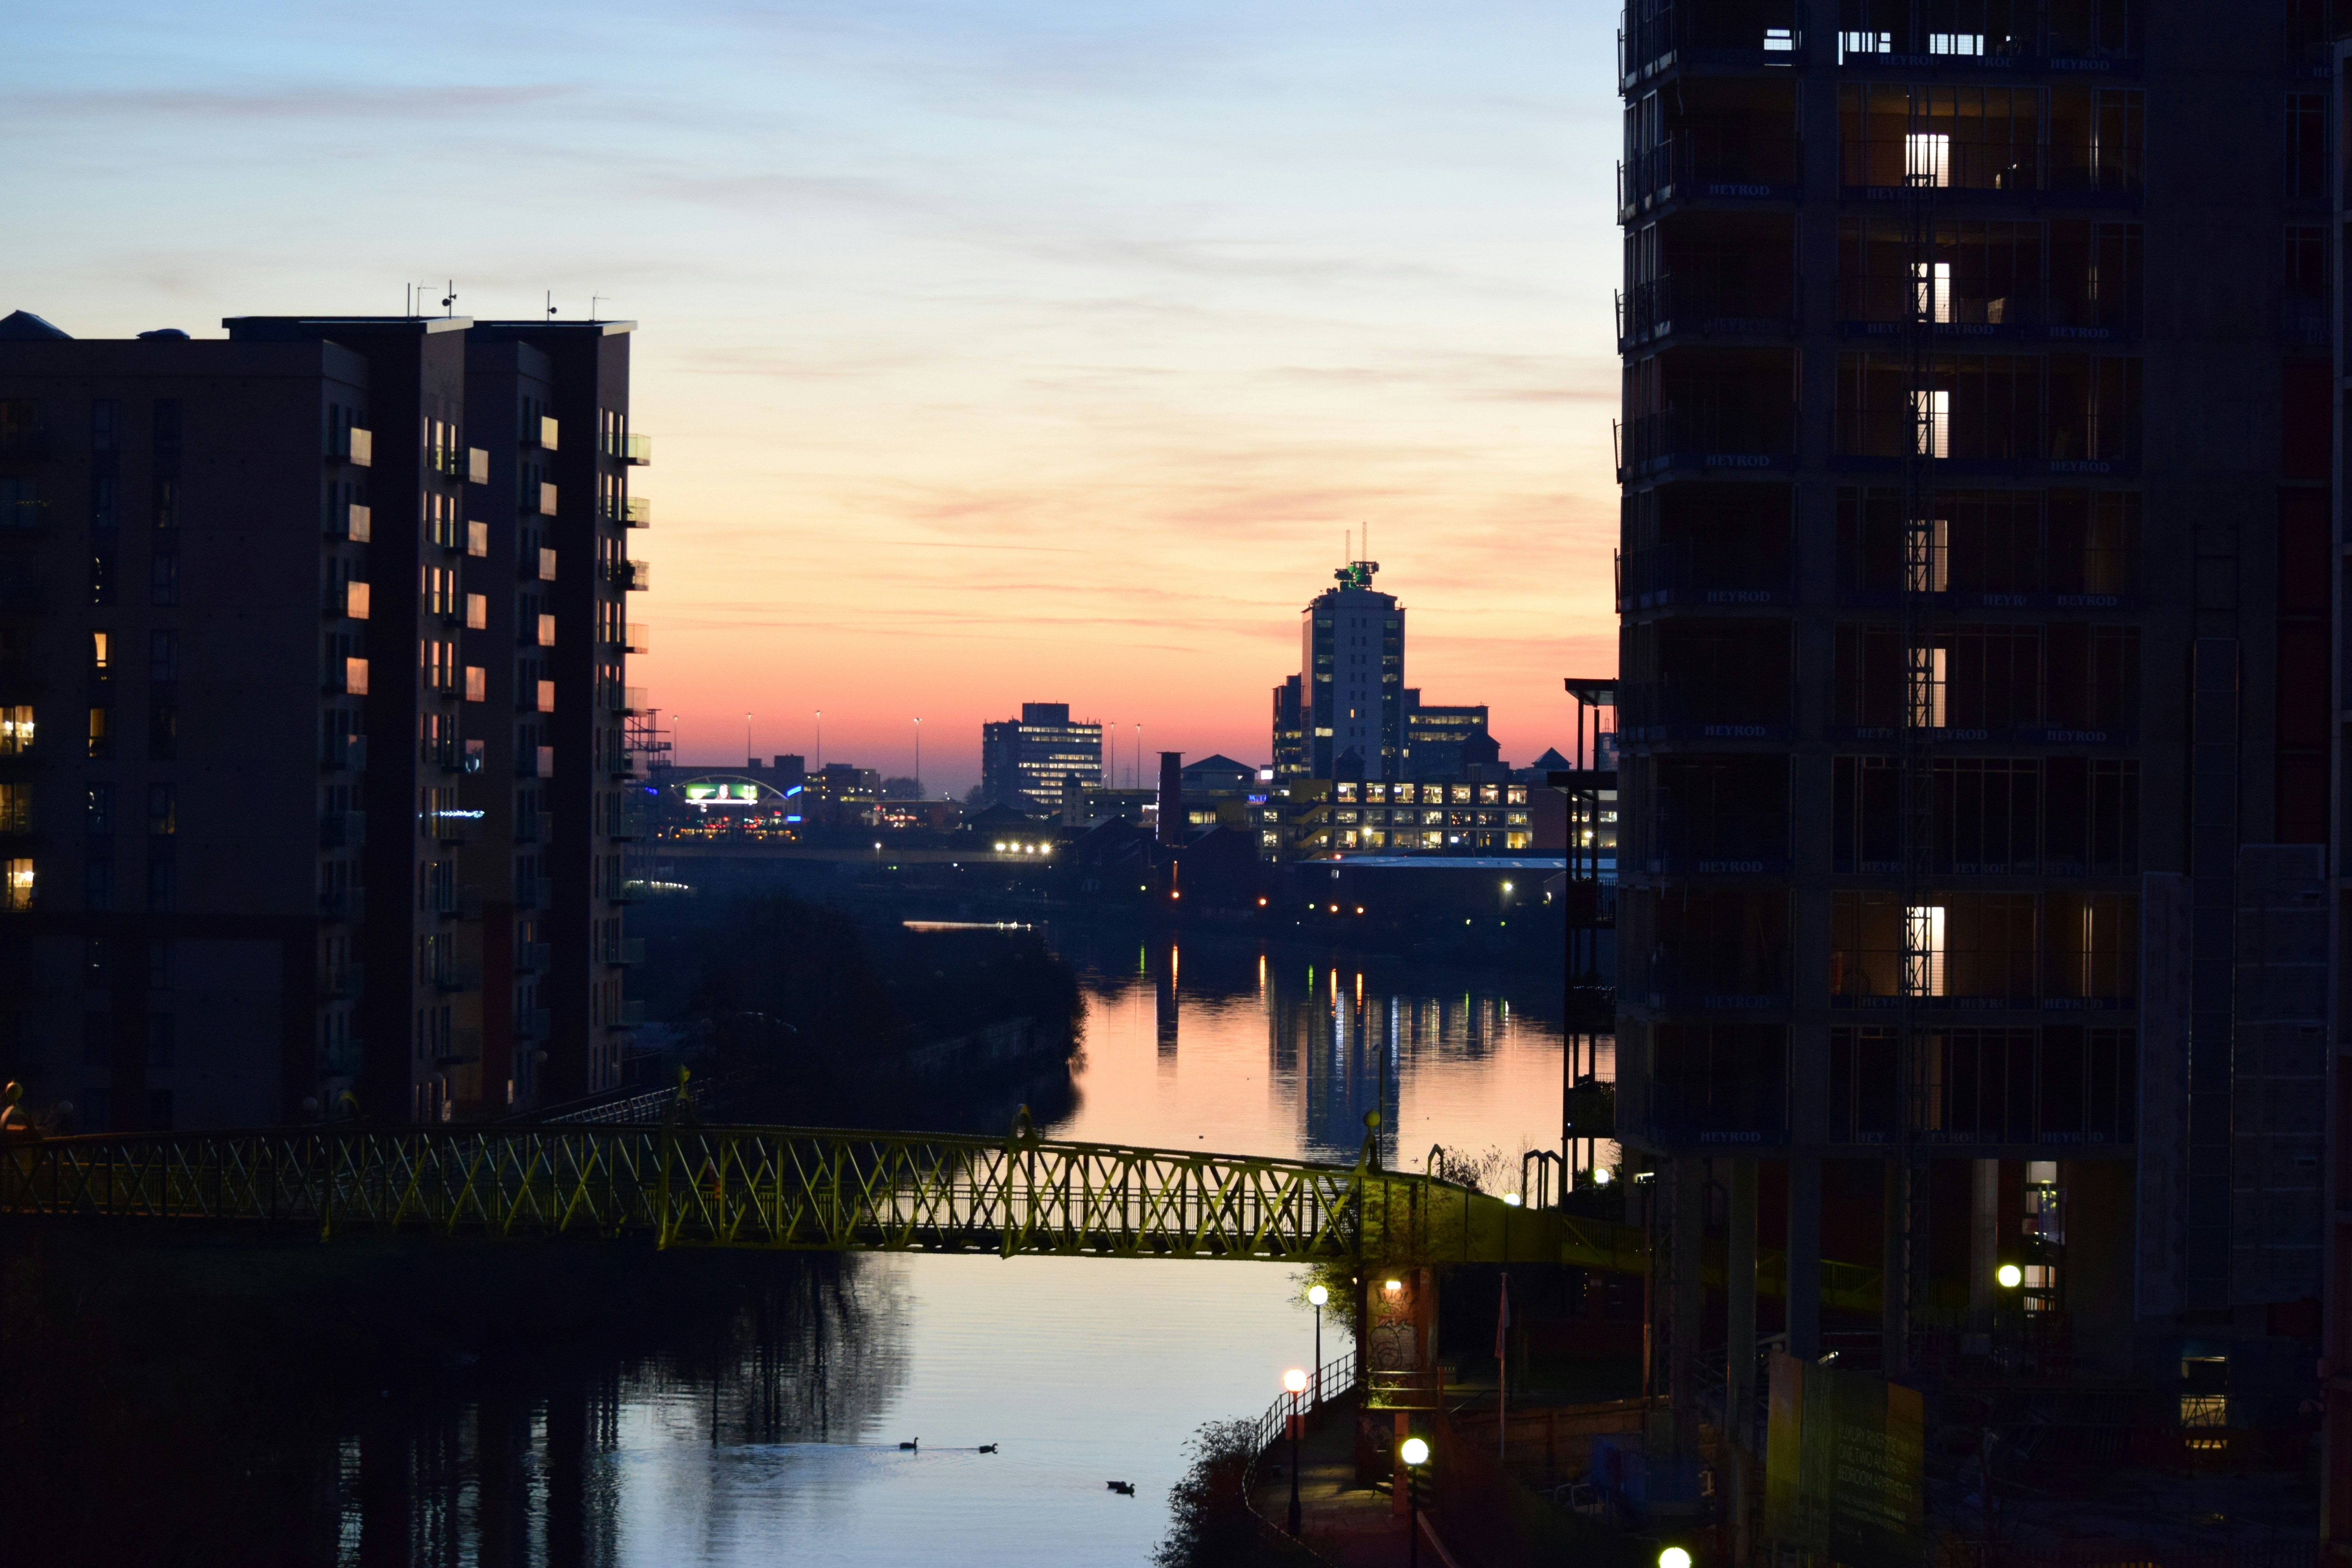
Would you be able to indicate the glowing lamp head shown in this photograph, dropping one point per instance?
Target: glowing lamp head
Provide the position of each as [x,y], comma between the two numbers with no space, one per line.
[1601,1178]
[1317,1295]
[1294,1381]
[2010,1275]
[1512,1199]
[1674,1557]
[1394,1287]
[1413,1452]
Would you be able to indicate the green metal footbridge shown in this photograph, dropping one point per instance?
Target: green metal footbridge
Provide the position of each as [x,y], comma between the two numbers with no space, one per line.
[821,1189]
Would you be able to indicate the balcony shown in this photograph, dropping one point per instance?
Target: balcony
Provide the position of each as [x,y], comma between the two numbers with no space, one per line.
[343,830]
[454,826]
[357,448]
[1688,572]
[627,951]
[343,904]
[536,564]
[344,982]
[628,824]
[535,763]
[629,1016]
[351,679]
[547,501]
[638,512]
[345,601]
[345,752]
[456,977]
[637,451]
[1715,438]
[351,522]
[1704,307]
[541,432]
[637,575]
[530,957]
[534,827]
[531,1024]
[1656,36]
[638,637]
[1713,165]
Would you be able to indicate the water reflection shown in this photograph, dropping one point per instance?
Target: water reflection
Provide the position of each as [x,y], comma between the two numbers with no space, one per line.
[586,1404]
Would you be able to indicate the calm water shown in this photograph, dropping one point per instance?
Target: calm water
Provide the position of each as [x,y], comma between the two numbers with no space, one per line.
[1089,1371]
[726,1409]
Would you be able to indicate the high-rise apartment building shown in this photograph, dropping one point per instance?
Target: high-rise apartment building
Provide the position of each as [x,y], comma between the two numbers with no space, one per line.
[1976,714]
[1024,761]
[312,644]
[1350,680]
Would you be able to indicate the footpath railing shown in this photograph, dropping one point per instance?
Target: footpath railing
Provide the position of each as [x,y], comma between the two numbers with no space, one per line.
[1336,1380]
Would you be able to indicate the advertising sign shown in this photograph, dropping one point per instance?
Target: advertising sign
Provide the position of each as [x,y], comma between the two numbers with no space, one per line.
[1843,1465]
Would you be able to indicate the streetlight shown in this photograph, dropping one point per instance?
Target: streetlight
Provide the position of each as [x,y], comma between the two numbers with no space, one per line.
[1316,1297]
[918,759]
[2010,1275]
[1415,1453]
[1293,1381]
[1674,1557]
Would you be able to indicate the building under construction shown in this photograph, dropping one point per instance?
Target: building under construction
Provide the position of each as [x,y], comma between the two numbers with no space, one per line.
[1978,587]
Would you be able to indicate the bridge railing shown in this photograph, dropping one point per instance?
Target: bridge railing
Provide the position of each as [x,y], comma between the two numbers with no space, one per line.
[829,1189]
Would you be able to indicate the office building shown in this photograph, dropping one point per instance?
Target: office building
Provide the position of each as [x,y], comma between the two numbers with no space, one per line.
[1977,587]
[312,649]
[1350,691]
[1024,761]
[1291,757]
[1438,737]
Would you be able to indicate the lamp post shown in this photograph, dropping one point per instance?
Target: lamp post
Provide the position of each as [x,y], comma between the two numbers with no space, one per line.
[1415,1453]
[1293,1381]
[1316,1295]
[1675,1557]
[918,759]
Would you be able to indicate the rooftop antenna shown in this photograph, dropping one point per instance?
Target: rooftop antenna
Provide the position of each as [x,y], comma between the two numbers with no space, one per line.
[449,301]
[551,304]
[591,306]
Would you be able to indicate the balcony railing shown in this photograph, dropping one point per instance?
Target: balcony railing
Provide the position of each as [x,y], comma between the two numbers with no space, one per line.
[1726,437]
[530,1023]
[1665,710]
[531,957]
[1885,167]
[1667,305]
[343,982]
[341,904]
[1714,164]
[634,450]
[343,752]
[1688,572]
[639,576]
[629,1016]
[343,830]
[627,950]
[1650,37]
[638,512]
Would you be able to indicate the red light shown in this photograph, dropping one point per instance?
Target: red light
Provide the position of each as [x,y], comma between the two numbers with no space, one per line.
[1261,903]
[1174,894]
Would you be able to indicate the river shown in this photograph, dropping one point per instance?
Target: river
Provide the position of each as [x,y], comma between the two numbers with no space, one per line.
[780,1441]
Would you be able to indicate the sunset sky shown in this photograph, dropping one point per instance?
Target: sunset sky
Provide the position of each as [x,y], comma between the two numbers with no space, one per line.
[992,351]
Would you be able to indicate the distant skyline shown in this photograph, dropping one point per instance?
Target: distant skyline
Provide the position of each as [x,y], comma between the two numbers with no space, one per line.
[991,353]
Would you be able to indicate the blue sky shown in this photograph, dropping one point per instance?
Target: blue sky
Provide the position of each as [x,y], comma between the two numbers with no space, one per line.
[992,352]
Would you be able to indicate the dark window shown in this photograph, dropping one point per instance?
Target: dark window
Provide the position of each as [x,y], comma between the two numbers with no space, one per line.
[163,810]
[163,577]
[98,877]
[96,1039]
[162,878]
[160,1042]
[1862,1080]
[1720,1080]
[165,465]
[105,466]
[162,656]
[163,724]
[99,810]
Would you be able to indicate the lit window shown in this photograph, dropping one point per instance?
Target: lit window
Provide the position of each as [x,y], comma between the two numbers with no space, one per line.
[1931,415]
[18,889]
[1927,158]
[1931,291]
[1923,950]
[16,730]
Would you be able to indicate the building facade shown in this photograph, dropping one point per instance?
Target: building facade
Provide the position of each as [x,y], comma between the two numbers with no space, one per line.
[1436,735]
[317,640]
[1975,639]
[1350,680]
[1024,761]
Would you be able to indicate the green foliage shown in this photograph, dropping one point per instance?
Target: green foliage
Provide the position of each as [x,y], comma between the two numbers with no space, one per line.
[1210,1524]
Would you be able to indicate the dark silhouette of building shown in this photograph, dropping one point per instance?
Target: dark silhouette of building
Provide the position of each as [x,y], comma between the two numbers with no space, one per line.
[1024,761]
[1977,587]
[317,640]
[1351,687]
[1435,736]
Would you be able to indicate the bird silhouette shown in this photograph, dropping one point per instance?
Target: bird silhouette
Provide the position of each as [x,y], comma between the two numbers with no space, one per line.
[918,1443]
[987,1448]
[1124,1489]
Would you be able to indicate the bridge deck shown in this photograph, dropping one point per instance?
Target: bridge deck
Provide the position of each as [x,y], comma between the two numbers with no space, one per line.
[823,1189]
